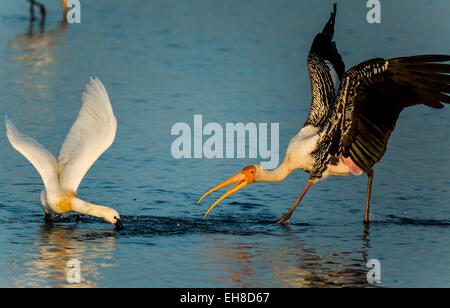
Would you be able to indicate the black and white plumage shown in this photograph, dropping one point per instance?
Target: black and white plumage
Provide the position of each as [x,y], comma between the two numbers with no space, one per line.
[370,99]
[352,114]
[325,68]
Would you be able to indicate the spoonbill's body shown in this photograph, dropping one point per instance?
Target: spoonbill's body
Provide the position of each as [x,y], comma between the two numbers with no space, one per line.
[92,133]
[352,114]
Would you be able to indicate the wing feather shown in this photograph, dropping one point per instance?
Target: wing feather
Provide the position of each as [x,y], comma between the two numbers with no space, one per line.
[92,133]
[374,93]
[325,67]
[39,157]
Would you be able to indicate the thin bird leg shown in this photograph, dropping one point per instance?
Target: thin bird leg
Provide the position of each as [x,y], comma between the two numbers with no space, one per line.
[32,18]
[42,10]
[289,214]
[65,10]
[369,189]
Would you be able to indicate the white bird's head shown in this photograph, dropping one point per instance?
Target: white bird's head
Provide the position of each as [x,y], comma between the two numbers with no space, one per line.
[112,216]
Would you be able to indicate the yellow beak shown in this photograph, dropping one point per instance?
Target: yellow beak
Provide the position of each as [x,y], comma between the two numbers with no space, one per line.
[241,181]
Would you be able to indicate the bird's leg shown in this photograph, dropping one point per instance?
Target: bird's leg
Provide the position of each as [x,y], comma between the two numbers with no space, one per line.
[43,12]
[32,18]
[369,189]
[289,214]
[41,8]
[65,10]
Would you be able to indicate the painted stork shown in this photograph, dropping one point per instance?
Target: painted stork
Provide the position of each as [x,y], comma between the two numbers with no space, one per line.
[352,114]
[92,133]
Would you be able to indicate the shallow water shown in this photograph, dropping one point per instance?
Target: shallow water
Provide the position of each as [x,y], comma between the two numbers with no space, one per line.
[231,61]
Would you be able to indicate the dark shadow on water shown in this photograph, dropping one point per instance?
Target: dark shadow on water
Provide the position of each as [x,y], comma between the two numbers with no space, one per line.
[157,225]
[399,220]
[71,227]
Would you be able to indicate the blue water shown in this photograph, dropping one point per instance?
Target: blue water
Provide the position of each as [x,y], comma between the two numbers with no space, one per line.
[230,61]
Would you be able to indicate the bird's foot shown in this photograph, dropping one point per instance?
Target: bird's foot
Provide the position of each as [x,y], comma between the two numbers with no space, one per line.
[285,218]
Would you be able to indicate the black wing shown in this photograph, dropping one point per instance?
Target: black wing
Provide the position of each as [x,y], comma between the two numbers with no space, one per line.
[372,95]
[325,66]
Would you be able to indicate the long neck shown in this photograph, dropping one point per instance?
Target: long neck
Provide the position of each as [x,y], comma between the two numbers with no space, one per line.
[276,175]
[86,208]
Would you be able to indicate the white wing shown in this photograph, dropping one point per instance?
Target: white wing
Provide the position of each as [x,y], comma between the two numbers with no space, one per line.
[39,157]
[92,133]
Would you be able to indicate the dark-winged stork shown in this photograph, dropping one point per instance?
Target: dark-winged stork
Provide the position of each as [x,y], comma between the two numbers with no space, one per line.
[352,114]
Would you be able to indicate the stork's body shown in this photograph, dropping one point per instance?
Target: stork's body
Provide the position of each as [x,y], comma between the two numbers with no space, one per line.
[352,114]
[92,133]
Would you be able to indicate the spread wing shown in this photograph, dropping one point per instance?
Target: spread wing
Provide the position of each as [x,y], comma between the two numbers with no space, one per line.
[325,68]
[372,95]
[39,157]
[92,133]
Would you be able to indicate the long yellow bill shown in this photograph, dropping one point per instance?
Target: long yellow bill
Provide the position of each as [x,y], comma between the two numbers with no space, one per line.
[239,179]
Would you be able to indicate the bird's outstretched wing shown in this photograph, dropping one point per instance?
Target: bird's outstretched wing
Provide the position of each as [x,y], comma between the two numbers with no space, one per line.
[372,95]
[325,68]
[92,133]
[39,157]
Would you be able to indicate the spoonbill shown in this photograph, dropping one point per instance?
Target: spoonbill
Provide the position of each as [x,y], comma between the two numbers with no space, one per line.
[352,115]
[92,133]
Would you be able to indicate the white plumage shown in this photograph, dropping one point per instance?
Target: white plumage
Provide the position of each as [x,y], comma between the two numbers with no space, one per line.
[92,133]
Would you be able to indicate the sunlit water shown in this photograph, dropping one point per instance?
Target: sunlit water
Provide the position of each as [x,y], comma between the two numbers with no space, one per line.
[231,61]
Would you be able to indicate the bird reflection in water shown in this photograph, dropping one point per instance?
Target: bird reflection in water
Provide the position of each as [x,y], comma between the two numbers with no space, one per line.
[34,50]
[290,264]
[56,245]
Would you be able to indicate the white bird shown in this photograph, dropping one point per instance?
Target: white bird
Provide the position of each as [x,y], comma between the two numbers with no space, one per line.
[92,133]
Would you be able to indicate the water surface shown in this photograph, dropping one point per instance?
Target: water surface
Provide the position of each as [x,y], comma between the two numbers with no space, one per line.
[231,61]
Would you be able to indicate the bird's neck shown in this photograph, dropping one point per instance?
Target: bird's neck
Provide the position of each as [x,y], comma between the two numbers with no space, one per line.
[276,175]
[87,208]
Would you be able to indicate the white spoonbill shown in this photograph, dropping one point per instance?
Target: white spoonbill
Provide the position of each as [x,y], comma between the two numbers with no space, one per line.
[92,133]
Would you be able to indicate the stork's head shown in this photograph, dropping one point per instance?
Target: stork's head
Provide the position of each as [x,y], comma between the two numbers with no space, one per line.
[247,176]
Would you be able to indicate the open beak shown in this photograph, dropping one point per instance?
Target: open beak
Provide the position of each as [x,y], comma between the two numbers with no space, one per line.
[118,225]
[241,180]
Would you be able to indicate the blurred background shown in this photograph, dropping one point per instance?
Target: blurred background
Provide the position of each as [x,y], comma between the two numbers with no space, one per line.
[230,61]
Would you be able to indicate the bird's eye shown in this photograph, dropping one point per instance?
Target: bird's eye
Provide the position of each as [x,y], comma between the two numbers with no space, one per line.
[252,171]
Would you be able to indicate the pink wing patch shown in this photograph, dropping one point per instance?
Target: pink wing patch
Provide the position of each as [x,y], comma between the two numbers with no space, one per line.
[354,169]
